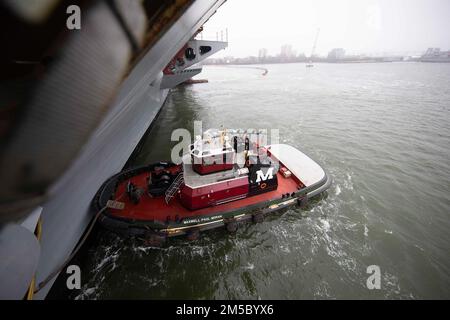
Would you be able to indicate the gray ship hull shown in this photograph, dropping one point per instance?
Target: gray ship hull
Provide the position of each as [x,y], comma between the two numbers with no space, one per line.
[66,214]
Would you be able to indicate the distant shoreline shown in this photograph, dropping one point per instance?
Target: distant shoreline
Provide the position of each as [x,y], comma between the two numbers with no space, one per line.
[305,62]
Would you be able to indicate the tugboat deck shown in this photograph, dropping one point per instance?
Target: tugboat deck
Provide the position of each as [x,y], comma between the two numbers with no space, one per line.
[155,208]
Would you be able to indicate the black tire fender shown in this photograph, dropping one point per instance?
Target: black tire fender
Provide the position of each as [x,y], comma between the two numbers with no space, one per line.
[232,226]
[258,217]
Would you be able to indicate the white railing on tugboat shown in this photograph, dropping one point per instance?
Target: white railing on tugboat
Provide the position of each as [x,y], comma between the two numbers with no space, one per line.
[170,192]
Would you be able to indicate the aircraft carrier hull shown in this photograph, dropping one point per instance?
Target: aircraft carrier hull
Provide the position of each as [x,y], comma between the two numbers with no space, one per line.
[66,214]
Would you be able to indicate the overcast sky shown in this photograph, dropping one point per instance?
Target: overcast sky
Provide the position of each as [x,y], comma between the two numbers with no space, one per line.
[358,26]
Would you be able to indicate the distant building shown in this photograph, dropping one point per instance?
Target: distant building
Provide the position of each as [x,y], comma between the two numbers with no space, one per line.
[432,52]
[302,57]
[262,55]
[287,52]
[435,55]
[336,54]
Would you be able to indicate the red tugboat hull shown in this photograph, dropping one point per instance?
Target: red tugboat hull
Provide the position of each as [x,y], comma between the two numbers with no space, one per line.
[154,215]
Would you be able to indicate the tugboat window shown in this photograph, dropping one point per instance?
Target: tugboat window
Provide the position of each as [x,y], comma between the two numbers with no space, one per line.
[204,49]
[189,53]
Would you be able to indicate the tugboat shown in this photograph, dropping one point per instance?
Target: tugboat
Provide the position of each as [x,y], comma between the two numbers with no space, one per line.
[225,179]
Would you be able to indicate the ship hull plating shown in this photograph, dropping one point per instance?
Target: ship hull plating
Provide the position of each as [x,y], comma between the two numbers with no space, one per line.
[67,212]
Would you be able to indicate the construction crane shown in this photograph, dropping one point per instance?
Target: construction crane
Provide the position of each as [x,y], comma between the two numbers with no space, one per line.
[313,49]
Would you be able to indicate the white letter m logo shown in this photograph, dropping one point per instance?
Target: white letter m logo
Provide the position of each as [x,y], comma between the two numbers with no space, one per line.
[260,175]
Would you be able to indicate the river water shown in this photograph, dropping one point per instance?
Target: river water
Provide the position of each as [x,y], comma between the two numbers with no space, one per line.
[382,131]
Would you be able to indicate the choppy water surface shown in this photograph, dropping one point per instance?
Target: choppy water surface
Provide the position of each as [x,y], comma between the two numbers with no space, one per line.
[381,130]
